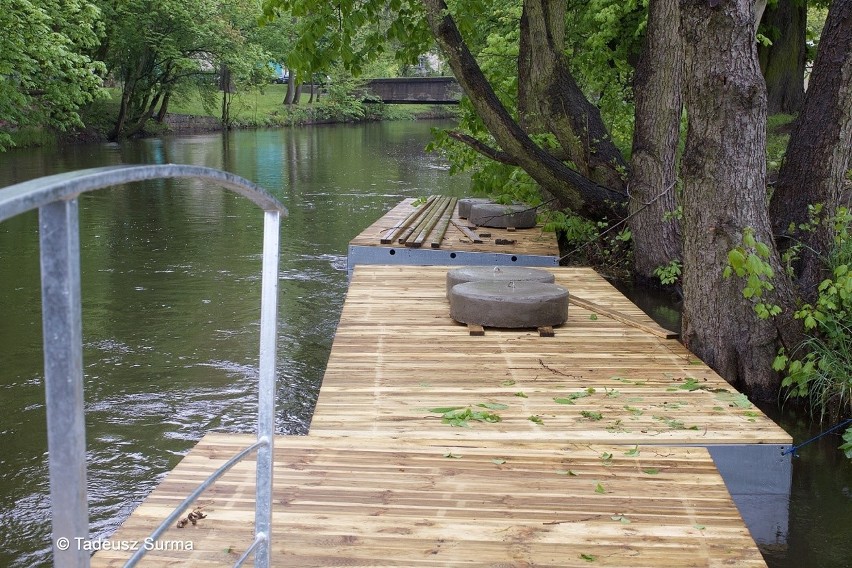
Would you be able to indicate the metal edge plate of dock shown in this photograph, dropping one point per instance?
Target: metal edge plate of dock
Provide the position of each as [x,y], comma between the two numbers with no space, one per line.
[612,444]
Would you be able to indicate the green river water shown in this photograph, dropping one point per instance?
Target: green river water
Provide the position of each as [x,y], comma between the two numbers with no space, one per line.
[171,287]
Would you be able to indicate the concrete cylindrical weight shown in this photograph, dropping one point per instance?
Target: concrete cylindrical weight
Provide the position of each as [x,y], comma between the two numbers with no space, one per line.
[502,216]
[496,274]
[509,304]
[466,203]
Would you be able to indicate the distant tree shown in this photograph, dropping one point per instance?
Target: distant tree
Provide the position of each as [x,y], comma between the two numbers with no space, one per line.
[153,48]
[46,70]
[782,61]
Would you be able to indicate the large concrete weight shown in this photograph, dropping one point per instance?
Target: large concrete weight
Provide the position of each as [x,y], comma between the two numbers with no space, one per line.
[496,274]
[502,216]
[465,205]
[509,304]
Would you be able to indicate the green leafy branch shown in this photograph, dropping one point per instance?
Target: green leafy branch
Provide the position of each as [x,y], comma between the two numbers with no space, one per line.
[750,261]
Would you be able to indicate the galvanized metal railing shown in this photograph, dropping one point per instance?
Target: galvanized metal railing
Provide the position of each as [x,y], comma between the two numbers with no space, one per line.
[56,199]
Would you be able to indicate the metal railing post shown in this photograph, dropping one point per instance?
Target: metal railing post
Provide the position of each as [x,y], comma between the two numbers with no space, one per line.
[63,375]
[266,386]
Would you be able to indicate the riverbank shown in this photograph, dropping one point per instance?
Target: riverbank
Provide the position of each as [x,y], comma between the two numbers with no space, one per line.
[195,113]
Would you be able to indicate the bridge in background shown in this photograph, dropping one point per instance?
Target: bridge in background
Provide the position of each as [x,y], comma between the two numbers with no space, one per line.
[415,90]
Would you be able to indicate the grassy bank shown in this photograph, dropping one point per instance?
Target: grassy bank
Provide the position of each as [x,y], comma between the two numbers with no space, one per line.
[192,111]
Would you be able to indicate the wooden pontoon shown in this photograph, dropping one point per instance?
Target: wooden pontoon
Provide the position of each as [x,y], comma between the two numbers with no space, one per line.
[593,449]
[457,246]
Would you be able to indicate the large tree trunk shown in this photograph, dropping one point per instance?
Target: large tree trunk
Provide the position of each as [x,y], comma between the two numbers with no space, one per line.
[818,155]
[724,193]
[657,93]
[569,187]
[783,62]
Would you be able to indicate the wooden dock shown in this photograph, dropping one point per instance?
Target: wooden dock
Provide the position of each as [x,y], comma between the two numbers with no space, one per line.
[601,446]
[347,502]
[524,247]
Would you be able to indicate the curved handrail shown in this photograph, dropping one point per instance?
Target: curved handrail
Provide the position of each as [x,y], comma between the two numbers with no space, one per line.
[24,196]
[56,199]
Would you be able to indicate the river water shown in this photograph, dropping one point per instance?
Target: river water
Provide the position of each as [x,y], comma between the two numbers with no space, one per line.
[171,288]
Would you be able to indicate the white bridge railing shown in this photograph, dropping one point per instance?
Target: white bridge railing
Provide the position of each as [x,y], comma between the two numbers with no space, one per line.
[56,199]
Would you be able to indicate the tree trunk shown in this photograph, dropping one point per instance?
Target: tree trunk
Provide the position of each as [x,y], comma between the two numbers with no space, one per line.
[783,62]
[657,93]
[570,188]
[820,149]
[291,90]
[724,193]
[528,118]
[570,117]
[164,107]
[226,110]
[297,95]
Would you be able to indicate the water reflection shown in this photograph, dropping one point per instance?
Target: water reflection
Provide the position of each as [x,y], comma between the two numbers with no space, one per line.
[171,292]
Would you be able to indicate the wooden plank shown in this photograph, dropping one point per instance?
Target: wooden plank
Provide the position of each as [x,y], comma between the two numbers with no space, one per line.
[431,222]
[474,238]
[652,327]
[367,502]
[415,227]
[403,224]
[475,330]
[444,224]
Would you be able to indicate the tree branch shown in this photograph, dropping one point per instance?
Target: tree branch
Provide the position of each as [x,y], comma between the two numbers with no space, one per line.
[483,148]
[569,187]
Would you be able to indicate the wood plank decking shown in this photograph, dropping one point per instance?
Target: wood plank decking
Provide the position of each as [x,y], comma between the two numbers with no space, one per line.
[364,502]
[588,465]
[397,354]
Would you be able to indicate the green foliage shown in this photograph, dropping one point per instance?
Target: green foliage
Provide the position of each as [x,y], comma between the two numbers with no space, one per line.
[574,396]
[846,447]
[821,367]
[599,244]
[677,213]
[462,416]
[604,38]
[670,273]
[46,66]
[777,137]
[349,33]
[159,49]
[750,261]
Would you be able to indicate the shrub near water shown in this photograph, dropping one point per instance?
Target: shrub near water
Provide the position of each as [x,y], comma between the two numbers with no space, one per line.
[820,369]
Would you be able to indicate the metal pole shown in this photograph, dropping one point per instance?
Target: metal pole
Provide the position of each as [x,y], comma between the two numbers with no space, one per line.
[266,386]
[63,379]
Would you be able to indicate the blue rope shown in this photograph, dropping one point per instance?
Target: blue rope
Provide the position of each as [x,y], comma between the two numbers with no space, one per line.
[817,437]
